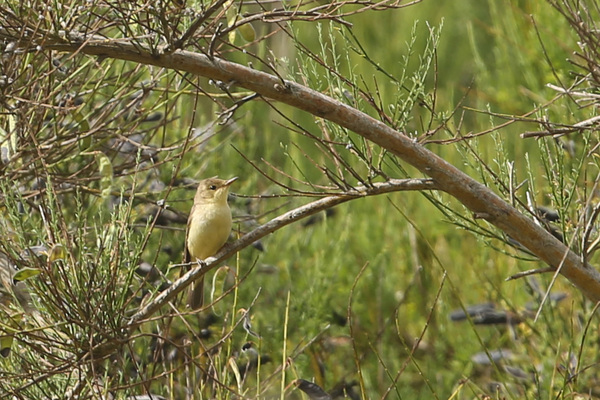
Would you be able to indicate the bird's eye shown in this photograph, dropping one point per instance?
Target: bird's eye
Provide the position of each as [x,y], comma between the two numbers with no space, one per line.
[213,187]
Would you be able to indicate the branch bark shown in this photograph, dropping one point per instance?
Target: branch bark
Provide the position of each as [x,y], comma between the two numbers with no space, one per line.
[476,197]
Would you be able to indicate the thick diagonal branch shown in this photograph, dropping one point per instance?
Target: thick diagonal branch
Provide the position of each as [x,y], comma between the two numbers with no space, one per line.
[475,196]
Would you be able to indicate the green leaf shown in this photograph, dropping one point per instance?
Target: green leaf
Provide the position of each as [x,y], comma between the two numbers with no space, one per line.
[25,273]
[106,173]
[247,31]
[57,252]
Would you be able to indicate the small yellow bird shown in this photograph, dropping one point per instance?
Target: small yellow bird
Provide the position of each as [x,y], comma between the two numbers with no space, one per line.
[208,228]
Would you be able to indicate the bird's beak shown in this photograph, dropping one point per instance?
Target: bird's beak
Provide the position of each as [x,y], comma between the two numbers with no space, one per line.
[230,181]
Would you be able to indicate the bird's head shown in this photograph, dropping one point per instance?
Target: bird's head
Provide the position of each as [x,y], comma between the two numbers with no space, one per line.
[213,190]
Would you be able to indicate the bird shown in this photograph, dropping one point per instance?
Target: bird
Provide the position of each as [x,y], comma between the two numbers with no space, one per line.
[208,228]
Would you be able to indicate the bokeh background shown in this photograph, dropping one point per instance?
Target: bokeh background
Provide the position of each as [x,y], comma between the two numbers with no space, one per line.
[362,296]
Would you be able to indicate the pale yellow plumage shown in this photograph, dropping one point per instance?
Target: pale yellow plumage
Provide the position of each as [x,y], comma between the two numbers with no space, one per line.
[208,228]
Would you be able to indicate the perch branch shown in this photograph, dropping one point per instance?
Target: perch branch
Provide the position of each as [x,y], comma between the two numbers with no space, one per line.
[393,185]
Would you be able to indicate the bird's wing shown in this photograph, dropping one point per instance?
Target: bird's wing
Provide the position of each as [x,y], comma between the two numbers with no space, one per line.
[187,257]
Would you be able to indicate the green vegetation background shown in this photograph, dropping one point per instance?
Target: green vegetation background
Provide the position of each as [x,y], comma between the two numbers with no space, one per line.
[489,58]
[394,263]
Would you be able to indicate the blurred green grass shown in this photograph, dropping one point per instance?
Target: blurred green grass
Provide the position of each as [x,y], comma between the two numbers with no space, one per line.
[393,262]
[489,54]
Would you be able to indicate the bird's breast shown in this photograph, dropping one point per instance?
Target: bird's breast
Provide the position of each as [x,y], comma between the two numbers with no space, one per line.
[210,226]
